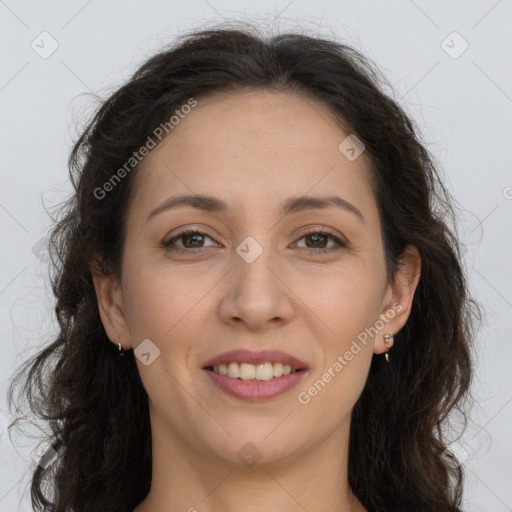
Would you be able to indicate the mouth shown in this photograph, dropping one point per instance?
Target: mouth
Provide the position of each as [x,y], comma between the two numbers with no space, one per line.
[246,371]
[255,376]
[247,365]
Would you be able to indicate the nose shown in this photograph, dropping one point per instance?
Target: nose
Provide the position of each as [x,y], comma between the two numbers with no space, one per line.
[257,295]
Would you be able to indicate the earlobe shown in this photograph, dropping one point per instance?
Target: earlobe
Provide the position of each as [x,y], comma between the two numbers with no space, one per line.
[110,306]
[400,297]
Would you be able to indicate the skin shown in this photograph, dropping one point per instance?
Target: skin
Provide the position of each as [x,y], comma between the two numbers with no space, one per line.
[253,150]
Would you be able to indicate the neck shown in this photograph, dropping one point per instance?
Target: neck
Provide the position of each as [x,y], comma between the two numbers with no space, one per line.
[189,480]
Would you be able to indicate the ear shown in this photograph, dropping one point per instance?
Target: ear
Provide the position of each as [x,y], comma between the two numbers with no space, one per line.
[110,304]
[397,302]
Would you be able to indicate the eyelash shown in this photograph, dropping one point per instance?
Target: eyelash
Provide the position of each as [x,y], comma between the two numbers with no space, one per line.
[314,231]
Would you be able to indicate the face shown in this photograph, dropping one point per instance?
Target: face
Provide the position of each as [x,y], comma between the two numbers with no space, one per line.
[256,277]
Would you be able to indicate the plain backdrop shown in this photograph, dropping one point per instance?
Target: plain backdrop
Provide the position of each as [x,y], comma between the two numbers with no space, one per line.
[450,67]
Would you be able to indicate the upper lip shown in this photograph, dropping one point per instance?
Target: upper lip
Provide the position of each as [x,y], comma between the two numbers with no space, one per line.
[264,356]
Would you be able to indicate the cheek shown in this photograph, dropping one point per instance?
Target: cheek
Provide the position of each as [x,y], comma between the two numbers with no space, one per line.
[341,303]
[159,306]
[156,298]
[349,306]
[341,373]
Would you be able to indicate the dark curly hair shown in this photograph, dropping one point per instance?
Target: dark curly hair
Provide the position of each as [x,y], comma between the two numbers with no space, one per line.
[95,402]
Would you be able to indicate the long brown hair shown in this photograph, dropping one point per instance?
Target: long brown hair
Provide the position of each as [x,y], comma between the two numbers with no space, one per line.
[94,401]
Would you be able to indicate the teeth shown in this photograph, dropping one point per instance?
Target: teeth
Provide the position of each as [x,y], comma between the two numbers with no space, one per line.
[264,371]
[245,371]
[234,370]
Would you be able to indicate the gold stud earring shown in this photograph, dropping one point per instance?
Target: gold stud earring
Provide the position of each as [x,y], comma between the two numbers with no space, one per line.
[121,353]
[388,342]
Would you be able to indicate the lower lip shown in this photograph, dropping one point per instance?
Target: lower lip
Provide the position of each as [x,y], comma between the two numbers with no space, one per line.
[256,390]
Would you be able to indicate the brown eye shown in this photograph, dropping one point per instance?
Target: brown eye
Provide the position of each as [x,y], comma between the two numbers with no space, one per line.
[317,240]
[191,239]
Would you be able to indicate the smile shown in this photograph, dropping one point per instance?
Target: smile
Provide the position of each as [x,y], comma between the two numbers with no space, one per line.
[246,371]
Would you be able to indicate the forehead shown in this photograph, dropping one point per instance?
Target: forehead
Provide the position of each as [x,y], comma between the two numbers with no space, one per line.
[253,146]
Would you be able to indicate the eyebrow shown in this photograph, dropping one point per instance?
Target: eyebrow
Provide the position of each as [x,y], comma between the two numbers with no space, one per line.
[212,204]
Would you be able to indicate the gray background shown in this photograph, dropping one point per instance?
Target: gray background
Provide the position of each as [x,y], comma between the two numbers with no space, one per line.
[462,103]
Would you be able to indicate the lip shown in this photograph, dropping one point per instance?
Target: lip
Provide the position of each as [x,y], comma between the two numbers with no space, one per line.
[264,356]
[256,390]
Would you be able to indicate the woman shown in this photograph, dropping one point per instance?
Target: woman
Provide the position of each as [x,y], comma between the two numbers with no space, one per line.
[261,304]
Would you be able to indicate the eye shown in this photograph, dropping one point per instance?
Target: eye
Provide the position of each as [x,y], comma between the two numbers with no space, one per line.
[192,240]
[316,240]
